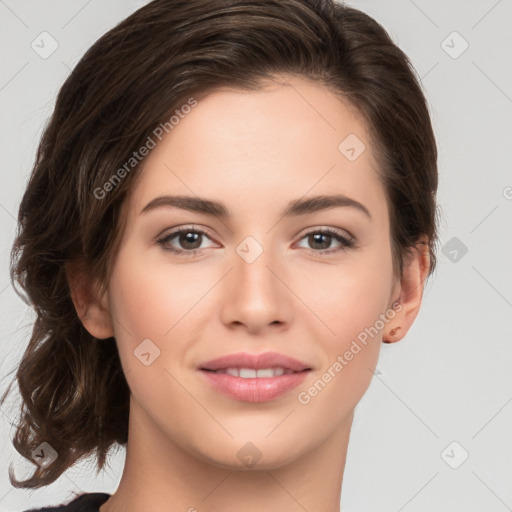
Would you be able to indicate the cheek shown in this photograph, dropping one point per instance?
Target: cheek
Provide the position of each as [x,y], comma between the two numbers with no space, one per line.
[149,299]
[350,347]
[348,304]
[347,297]
[150,302]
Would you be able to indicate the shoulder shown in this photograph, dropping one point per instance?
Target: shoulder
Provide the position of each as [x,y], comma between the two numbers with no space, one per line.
[86,502]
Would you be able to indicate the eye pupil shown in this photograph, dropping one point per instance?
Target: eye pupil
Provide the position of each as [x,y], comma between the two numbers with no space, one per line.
[317,238]
[190,237]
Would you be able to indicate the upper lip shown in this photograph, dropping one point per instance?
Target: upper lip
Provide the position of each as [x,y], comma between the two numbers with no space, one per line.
[256,361]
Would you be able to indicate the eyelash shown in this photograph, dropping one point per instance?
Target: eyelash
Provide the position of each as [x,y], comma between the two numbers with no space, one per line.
[347,243]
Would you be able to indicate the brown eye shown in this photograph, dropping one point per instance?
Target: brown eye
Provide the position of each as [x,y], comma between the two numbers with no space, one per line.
[321,241]
[189,239]
[186,241]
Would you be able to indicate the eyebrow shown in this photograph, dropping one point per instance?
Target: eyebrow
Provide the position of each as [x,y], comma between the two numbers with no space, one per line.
[294,208]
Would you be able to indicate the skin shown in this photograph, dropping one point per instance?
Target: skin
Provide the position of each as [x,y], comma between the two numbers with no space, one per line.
[254,152]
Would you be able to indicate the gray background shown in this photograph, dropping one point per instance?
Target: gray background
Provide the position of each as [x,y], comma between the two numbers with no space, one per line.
[450,379]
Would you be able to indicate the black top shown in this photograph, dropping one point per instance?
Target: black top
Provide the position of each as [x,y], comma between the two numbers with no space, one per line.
[86,502]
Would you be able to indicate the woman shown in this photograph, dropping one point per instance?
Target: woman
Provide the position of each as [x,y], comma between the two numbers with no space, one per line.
[233,205]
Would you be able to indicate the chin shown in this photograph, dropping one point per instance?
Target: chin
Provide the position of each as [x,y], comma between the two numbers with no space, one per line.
[260,454]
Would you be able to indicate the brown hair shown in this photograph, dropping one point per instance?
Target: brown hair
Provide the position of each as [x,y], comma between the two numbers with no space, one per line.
[74,393]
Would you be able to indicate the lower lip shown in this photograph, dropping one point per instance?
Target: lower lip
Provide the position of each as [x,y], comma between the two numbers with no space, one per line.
[258,389]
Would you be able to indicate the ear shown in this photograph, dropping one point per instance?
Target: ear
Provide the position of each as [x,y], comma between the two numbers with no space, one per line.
[410,289]
[92,309]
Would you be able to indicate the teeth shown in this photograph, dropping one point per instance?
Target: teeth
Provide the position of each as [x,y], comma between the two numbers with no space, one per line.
[251,373]
[248,373]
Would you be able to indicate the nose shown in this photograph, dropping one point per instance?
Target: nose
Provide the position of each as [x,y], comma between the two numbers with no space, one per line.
[255,293]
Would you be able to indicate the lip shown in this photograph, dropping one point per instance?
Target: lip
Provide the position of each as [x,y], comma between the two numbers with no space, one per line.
[259,389]
[256,361]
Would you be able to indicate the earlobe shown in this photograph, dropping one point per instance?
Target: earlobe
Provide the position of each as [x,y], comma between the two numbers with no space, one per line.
[415,271]
[91,308]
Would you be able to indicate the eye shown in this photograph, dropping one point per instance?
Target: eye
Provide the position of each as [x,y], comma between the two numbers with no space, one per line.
[189,239]
[322,239]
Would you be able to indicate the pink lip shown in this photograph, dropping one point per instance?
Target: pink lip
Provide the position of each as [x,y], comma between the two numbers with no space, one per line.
[259,389]
[256,361]
[254,390]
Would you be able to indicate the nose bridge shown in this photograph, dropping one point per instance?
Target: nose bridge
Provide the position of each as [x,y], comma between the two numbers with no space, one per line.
[257,297]
[254,257]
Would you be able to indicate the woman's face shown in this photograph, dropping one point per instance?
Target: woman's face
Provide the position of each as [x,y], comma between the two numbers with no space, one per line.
[256,280]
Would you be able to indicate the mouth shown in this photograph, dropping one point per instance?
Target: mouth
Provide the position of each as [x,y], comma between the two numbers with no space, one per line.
[253,373]
[254,377]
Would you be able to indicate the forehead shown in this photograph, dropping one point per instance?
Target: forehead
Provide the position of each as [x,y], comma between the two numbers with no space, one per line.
[263,147]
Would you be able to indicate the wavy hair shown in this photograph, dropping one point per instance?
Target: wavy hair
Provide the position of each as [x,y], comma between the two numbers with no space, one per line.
[73,390]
